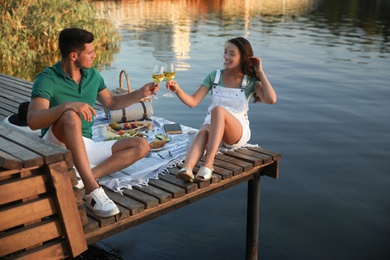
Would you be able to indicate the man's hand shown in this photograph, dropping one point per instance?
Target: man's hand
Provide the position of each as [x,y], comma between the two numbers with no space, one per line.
[85,111]
[149,89]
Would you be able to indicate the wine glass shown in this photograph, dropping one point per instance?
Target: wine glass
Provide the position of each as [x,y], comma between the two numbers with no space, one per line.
[169,74]
[157,75]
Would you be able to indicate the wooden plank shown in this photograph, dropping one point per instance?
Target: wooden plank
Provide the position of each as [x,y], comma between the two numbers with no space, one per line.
[19,239]
[175,191]
[22,188]
[28,158]
[6,77]
[8,161]
[245,165]
[255,161]
[50,152]
[133,206]
[6,174]
[25,174]
[68,159]
[67,208]
[123,213]
[271,170]
[224,173]
[91,226]
[161,195]
[8,107]
[189,187]
[22,213]
[102,222]
[78,196]
[16,172]
[52,250]
[19,92]
[83,214]
[263,158]
[229,166]
[147,200]
[275,155]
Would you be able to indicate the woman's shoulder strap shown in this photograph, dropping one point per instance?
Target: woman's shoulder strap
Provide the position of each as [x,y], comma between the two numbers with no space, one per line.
[217,77]
[244,81]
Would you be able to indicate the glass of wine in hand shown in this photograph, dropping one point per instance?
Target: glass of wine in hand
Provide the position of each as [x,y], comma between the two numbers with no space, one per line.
[169,74]
[157,75]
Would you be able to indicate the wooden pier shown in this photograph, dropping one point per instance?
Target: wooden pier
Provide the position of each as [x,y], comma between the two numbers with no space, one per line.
[42,214]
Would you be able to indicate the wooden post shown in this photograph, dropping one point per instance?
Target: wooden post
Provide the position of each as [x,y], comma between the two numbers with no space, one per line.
[252,218]
[67,208]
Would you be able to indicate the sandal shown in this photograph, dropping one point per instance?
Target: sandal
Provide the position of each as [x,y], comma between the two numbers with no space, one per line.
[185,174]
[204,174]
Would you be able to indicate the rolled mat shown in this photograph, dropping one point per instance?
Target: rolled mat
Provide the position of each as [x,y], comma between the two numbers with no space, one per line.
[138,111]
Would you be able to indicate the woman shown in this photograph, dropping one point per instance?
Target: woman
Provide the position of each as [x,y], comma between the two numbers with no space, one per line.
[226,120]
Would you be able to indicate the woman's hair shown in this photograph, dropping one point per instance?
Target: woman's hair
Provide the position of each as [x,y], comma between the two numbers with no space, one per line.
[246,53]
[73,40]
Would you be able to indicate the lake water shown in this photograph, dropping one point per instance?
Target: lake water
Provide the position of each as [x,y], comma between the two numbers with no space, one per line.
[329,64]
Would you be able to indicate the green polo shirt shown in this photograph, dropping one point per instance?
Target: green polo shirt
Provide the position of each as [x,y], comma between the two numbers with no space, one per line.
[56,86]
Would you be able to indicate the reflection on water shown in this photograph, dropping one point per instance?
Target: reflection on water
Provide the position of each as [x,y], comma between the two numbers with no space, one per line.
[166,25]
[328,61]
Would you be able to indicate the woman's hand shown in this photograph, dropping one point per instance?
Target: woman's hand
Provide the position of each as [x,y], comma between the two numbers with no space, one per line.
[172,86]
[257,65]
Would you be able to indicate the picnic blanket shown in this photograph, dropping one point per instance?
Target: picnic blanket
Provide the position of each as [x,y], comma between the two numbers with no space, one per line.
[153,164]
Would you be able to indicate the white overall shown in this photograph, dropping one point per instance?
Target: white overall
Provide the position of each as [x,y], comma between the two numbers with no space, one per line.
[235,102]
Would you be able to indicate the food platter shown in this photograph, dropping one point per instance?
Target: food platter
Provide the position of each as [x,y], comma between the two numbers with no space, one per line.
[116,131]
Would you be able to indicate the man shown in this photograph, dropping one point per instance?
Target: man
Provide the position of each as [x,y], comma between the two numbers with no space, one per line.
[62,101]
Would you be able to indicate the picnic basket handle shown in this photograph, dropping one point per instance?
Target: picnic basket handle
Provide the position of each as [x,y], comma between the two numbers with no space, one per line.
[127,80]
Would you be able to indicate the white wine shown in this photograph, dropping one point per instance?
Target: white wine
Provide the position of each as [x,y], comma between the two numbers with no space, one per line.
[157,77]
[169,75]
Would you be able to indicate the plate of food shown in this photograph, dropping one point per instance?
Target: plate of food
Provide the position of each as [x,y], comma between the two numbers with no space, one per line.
[134,125]
[158,145]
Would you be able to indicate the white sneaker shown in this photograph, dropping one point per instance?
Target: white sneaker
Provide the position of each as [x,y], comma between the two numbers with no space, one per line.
[100,204]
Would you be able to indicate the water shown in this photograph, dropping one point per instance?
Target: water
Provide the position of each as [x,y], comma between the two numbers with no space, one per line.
[329,64]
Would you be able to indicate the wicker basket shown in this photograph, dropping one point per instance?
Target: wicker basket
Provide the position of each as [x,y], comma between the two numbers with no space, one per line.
[121,90]
[141,108]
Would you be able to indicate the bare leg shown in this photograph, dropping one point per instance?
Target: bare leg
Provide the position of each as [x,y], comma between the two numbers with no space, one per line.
[224,126]
[124,153]
[197,147]
[67,129]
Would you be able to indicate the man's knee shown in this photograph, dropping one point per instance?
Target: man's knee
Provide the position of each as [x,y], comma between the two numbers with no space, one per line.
[143,147]
[70,118]
[69,121]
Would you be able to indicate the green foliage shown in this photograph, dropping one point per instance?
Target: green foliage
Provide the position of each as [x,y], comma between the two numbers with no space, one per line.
[30,30]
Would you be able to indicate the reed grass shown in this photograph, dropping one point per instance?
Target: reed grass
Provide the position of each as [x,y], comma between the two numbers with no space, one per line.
[30,30]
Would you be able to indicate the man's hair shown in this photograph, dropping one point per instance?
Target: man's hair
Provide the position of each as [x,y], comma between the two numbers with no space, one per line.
[73,40]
